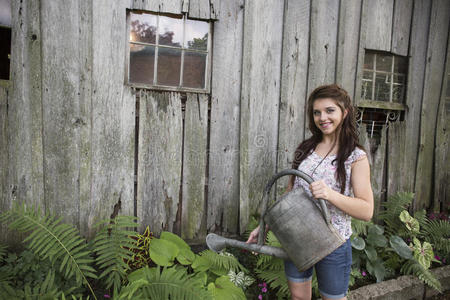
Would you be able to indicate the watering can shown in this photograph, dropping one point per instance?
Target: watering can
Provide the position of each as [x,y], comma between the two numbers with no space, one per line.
[301,224]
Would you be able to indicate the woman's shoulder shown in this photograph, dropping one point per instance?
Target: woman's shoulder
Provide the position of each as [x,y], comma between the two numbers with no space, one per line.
[357,154]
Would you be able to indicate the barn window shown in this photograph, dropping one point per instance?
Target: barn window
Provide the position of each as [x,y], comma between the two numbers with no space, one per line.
[168,52]
[5,38]
[384,79]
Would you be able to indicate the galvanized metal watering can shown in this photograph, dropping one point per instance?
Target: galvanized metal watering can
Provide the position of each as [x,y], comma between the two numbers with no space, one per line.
[301,225]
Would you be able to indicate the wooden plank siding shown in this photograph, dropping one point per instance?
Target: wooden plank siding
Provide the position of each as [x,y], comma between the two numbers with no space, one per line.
[223,181]
[113,122]
[401,26]
[441,199]
[415,83]
[197,9]
[5,203]
[377,172]
[378,19]
[434,73]
[259,101]
[294,75]
[193,216]
[159,162]
[395,158]
[348,44]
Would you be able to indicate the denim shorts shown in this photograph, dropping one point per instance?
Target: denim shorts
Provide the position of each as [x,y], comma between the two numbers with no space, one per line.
[333,272]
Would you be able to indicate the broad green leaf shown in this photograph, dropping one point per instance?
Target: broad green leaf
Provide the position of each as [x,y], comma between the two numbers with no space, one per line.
[376,239]
[410,222]
[377,269]
[423,253]
[224,289]
[358,243]
[371,253]
[400,247]
[186,256]
[171,237]
[376,229]
[201,263]
[163,252]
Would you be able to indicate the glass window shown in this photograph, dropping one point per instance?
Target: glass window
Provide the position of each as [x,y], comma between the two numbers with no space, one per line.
[168,51]
[5,38]
[384,77]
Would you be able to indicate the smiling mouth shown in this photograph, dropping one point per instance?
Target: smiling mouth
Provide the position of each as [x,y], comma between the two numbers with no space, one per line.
[325,125]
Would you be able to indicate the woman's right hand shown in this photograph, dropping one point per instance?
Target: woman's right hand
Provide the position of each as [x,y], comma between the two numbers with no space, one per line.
[253,237]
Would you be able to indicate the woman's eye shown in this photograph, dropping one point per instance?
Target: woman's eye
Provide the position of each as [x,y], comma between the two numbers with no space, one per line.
[316,113]
[330,111]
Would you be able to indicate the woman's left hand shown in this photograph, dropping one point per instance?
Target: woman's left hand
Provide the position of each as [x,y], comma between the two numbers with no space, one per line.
[320,190]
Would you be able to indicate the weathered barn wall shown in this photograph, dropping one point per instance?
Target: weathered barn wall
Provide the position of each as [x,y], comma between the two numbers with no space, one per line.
[72,132]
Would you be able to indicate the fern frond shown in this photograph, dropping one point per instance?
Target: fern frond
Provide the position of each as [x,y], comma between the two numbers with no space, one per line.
[359,227]
[51,239]
[421,217]
[437,232]
[267,262]
[3,252]
[412,267]
[393,207]
[170,283]
[114,245]
[224,261]
[276,279]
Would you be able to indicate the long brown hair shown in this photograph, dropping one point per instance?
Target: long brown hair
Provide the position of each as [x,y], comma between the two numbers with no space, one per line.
[347,134]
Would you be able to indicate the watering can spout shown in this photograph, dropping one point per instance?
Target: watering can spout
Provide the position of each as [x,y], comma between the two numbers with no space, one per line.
[216,243]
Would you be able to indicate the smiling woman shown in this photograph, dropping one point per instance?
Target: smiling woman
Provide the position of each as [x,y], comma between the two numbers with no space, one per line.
[5,38]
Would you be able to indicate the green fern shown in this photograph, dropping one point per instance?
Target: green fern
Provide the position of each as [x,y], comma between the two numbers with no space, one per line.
[114,245]
[276,278]
[50,239]
[412,267]
[170,283]
[2,252]
[220,263]
[437,232]
[359,227]
[393,207]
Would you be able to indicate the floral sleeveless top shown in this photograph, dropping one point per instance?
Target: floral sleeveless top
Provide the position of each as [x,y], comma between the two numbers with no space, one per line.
[327,171]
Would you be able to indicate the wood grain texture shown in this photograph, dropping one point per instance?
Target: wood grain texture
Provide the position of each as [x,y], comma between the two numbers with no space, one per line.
[259,101]
[193,216]
[348,44]
[199,9]
[61,107]
[441,199]
[294,74]
[322,55]
[378,171]
[434,73]
[223,181]
[378,15]
[163,6]
[113,116]
[395,158]
[4,144]
[160,150]
[403,10]
[414,92]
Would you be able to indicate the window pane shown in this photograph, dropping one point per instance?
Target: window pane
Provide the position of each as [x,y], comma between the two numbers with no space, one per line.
[5,13]
[384,63]
[143,28]
[400,65]
[194,69]
[170,31]
[169,65]
[382,87]
[142,60]
[197,35]
[367,84]
[368,61]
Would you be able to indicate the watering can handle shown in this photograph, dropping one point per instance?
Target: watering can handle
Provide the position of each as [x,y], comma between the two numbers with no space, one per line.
[265,199]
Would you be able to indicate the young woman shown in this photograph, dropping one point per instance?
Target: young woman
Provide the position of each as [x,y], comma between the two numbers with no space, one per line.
[339,166]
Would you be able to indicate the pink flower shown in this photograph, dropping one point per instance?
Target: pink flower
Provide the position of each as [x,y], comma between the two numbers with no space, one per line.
[264,284]
[364,273]
[264,290]
[437,257]
[260,297]
[106,296]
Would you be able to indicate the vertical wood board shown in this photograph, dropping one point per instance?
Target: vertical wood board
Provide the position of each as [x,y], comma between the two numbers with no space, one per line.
[348,44]
[193,217]
[403,10]
[223,180]
[113,111]
[163,6]
[199,9]
[434,74]
[259,101]
[294,75]
[378,172]
[395,158]
[160,150]
[414,92]
[441,199]
[378,15]
[4,199]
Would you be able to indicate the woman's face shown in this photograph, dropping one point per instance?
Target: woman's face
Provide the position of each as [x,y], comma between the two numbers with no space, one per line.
[327,115]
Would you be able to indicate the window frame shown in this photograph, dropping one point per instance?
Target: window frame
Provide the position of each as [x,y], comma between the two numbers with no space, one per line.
[386,105]
[165,88]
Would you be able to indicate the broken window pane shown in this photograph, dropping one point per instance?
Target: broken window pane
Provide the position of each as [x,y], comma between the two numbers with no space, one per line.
[169,65]
[194,69]
[143,28]
[368,61]
[384,63]
[170,31]
[382,87]
[197,35]
[142,59]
